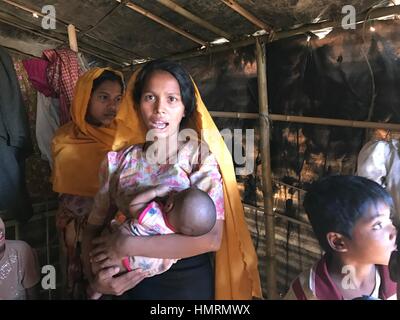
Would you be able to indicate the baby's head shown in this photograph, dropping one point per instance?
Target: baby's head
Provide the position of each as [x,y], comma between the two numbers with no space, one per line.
[351,216]
[191,212]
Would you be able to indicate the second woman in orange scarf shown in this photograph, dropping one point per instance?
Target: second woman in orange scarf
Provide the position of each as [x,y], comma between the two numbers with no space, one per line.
[99,124]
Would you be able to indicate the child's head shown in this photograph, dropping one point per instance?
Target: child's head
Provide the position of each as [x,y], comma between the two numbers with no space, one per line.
[191,212]
[351,215]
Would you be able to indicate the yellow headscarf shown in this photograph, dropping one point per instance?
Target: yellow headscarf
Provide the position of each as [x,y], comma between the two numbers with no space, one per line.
[78,147]
[236,272]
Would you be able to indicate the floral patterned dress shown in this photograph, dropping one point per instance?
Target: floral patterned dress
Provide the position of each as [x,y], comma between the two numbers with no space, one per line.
[126,173]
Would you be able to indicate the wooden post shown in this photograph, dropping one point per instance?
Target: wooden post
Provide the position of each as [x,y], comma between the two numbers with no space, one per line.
[266,169]
[73,43]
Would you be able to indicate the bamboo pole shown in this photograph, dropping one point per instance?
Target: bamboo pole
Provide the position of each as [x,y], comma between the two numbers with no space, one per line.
[266,169]
[73,42]
[187,14]
[236,115]
[249,16]
[336,122]
[20,6]
[163,22]
[310,120]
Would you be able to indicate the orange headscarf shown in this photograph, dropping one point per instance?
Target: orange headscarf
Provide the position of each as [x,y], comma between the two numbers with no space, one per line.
[78,147]
[236,272]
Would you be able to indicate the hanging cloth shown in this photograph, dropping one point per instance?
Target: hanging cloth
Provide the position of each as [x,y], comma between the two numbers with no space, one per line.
[15,144]
[62,74]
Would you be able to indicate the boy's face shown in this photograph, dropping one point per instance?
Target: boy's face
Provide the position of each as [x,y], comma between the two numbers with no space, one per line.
[374,236]
[2,235]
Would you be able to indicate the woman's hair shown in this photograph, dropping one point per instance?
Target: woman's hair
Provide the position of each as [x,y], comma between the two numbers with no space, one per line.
[336,203]
[108,75]
[178,72]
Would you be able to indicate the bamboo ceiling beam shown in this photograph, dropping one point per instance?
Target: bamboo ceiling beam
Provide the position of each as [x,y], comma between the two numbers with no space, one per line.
[187,14]
[164,23]
[39,14]
[249,16]
[310,120]
[45,36]
[18,52]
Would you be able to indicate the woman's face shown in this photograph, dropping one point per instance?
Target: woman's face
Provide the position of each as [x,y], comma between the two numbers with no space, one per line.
[104,103]
[161,104]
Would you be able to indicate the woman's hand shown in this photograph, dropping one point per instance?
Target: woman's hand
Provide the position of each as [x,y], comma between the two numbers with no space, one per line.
[96,266]
[109,250]
[105,283]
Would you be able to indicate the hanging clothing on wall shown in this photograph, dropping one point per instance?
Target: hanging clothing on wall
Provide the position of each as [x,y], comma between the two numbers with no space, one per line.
[47,122]
[15,144]
[63,72]
[37,170]
[47,115]
[37,72]
[380,161]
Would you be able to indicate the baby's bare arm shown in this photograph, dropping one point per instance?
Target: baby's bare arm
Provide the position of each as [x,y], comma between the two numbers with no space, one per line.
[140,201]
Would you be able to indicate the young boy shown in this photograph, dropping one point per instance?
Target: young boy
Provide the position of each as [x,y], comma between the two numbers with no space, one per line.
[351,218]
[19,272]
[149,216]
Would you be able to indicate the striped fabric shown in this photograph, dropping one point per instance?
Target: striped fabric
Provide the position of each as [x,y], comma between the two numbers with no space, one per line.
[62,74]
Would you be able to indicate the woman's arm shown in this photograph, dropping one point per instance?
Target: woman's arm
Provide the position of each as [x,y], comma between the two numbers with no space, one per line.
[173,246]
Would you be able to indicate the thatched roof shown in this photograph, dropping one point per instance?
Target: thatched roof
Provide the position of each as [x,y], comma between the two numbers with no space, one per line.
[117,33]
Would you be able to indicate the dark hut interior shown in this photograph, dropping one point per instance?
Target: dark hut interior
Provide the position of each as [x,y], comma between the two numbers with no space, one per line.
[319,72]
